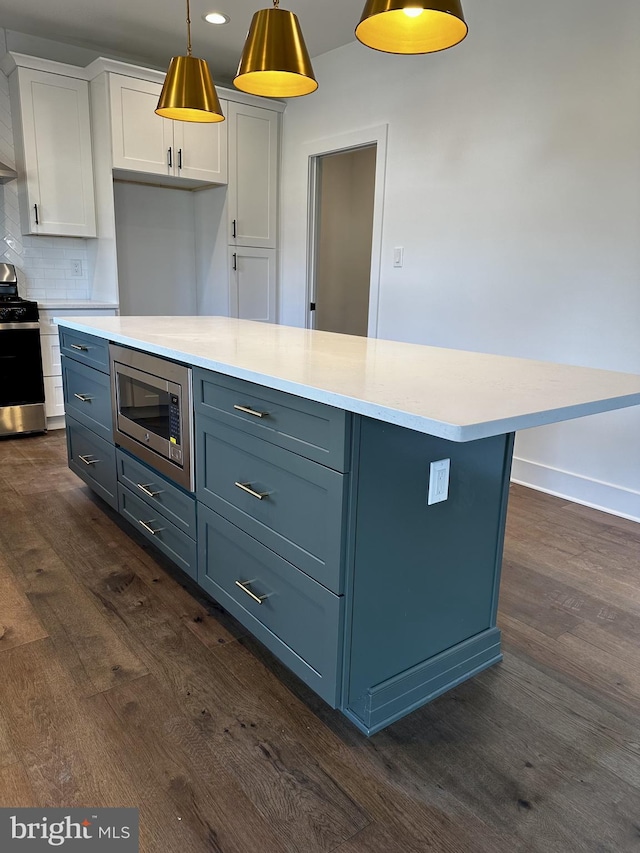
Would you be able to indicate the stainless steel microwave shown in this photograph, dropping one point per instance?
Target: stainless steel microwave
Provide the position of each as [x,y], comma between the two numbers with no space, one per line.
[153,411]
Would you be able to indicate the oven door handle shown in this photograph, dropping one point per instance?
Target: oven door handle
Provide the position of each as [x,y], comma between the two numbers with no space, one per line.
[19,327]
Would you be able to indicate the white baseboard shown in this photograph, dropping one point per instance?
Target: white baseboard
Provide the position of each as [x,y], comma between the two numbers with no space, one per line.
[606,497]
[56,422]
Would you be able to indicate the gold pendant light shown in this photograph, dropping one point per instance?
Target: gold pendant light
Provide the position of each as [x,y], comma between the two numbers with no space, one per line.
[275,62]
[188,93]
[411,26]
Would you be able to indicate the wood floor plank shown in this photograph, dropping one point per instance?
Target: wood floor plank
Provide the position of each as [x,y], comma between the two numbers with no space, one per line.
[19,622]
[546,782]
[53,736]
[594,671]
[7,752]
[552,705]
[93,651]
[15,789]
[194,777]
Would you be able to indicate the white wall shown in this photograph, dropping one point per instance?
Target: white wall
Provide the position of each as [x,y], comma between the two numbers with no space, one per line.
[155,233]
[513,182]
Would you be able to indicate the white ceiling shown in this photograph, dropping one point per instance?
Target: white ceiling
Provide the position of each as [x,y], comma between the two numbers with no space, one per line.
[155,30]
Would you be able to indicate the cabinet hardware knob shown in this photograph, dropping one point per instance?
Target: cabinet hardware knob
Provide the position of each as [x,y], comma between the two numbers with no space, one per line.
[253,412]
[257,598]
[35,207]
[147,490]
[88,461]
[84,398]
[179,158]
[170,158]
[150,529]
[247,488]
[79,347]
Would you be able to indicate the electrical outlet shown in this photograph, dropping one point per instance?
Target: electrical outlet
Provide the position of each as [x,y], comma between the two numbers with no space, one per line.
[76,268]
[438,481]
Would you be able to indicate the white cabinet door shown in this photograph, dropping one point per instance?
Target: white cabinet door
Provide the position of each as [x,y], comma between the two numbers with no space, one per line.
[201,149]
[142,141]
[53,152]
[253,175]
[51,364]
[53,396]
[252,291]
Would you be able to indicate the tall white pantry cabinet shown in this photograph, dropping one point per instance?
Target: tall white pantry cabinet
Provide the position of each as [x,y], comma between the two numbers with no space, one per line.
[253,211]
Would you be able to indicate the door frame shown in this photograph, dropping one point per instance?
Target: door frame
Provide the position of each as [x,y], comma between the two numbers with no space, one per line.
[364,138]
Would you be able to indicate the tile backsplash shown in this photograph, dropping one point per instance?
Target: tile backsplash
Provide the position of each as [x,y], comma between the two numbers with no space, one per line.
[48,267]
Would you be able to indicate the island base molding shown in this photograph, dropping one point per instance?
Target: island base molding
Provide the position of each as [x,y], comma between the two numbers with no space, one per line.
[398,696]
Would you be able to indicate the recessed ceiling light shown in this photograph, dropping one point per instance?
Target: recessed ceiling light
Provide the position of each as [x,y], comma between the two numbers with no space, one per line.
[216,18]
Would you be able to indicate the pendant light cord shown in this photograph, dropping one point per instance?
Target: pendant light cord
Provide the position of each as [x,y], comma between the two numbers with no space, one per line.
[188,29]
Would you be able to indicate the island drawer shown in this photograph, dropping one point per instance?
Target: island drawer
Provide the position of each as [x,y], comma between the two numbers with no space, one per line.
[87,349]
[87,396]
[295,617]
[311,429]
[294,506]
[159,530]
[177,506]
[93,459]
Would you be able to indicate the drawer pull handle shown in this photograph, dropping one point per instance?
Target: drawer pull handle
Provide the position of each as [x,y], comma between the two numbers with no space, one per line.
[88,461]
[253,412]
[84,398]
[257,598]
[247,488]
[150,529]
[147,490]
[80,347]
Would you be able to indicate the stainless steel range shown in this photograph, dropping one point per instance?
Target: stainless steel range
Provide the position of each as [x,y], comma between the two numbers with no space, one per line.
[21,382]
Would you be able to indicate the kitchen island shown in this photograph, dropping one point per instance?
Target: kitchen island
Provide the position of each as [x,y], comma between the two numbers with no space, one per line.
[349,493]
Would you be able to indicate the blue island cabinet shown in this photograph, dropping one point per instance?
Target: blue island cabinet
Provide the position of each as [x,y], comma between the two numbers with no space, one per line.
[312,526]
[315,532]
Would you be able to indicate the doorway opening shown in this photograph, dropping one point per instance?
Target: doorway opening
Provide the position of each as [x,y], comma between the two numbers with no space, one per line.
[344,206]
[344,236]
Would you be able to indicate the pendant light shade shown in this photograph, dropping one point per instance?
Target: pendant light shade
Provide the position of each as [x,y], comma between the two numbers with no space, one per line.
[188,93]
[275,62]
[411,26]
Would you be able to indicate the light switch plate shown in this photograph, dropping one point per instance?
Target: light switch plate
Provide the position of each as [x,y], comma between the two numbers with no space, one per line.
[398,256]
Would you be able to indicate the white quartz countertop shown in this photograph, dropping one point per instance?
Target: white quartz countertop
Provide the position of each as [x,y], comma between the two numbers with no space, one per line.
[453,394]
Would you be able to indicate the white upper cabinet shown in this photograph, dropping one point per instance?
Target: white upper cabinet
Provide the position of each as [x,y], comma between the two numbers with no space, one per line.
[201,149]
[144,142]
[53,153]
[141,139]
[253,175]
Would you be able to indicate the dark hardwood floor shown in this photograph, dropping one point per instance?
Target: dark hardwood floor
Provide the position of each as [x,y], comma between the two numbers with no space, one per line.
[120,684]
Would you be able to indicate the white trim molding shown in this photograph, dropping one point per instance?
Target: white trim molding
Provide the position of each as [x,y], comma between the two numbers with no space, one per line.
[607,497]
